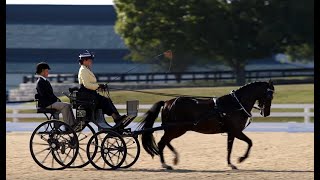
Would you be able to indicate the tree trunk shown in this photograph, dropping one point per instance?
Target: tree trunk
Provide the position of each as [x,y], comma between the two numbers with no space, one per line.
[240,74]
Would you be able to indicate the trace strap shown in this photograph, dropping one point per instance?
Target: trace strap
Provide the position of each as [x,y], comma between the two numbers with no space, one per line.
[233,94]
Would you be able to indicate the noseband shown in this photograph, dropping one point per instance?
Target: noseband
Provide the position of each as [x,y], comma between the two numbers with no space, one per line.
[269,95]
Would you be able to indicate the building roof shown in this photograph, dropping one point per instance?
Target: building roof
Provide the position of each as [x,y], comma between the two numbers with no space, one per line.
[43,28]
[61,2]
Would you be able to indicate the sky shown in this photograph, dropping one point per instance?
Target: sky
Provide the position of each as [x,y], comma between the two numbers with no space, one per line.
[62,2]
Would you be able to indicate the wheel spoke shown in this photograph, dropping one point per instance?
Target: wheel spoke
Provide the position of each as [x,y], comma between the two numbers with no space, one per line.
[85,136]
[59,157]
[42,137]
[52,163]
[67,155]
[37,143]
[46,156]
[42,151]
[131,155]
[82,160]
[98,159]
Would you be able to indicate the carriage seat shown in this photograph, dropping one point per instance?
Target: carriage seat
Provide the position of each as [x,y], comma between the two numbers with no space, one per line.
[81,99]
[46,110]
[53,112]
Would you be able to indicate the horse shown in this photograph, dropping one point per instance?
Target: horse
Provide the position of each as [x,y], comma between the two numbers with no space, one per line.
[230,113]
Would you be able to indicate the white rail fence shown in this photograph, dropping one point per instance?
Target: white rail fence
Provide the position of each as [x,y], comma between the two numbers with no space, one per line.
[15,111]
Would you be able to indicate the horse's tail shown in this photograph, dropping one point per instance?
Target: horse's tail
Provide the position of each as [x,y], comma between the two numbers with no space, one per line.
[147,122]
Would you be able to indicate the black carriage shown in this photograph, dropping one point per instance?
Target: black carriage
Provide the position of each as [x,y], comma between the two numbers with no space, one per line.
[54,145]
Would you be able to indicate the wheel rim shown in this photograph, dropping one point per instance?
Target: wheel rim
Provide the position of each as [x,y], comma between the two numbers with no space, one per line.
[103,147]
[84,136]
[133,151]
[51,147]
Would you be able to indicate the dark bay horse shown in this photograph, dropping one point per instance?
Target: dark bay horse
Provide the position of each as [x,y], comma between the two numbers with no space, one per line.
[226,114]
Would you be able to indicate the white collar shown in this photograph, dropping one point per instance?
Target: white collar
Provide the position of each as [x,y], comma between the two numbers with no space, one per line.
[85,67]
[43,77]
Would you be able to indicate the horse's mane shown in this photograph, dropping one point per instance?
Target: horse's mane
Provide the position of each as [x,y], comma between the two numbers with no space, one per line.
[251,84]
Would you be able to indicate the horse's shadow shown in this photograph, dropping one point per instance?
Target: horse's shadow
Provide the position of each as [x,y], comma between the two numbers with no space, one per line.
[209,171]
[214,171]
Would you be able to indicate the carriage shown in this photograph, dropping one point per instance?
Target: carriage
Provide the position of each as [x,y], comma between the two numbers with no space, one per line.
[54,145]
[113,147]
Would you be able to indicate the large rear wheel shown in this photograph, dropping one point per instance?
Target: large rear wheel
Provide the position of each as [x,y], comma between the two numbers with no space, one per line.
[54,145]
[133,151]
[84,132]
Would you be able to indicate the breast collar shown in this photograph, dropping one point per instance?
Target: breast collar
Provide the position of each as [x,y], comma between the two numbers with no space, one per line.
[233,94]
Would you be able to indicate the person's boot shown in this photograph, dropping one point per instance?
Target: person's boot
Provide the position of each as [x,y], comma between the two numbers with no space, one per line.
[118,120]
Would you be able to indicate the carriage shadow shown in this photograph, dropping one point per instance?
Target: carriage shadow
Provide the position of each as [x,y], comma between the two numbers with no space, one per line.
[215,171]
[206,171]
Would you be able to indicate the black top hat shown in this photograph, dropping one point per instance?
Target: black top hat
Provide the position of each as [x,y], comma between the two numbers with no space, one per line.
[41,66]
[86,55]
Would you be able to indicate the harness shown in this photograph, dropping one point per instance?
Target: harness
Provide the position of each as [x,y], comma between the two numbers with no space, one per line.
[233,94]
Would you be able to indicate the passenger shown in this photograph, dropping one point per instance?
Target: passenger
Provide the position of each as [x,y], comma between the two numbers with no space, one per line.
[88,84]
[47,99]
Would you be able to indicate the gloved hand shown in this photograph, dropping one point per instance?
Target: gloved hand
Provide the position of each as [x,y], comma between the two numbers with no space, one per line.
[103,86]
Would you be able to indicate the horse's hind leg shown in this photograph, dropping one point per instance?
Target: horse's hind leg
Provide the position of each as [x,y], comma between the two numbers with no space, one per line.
[176,158]
[165,140]
[230,145]
[245,138]
[162,143]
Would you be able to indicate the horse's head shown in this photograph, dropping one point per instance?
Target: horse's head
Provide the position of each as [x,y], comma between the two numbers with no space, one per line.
[264,102]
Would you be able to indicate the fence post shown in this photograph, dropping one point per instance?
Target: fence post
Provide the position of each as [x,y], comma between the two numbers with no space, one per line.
[15,114]
[306,115]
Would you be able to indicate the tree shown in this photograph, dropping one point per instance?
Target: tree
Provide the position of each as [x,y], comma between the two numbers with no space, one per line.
[300,25]
[151,27]
[230,31]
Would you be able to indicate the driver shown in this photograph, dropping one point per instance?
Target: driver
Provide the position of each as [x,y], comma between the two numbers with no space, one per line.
[88,84]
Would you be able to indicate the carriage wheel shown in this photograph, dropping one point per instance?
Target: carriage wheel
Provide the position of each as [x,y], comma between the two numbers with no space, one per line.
[54,145]
[84,134]
[133,151]
[106,147]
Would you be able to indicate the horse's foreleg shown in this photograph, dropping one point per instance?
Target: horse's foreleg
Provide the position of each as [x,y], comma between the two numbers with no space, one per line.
[176,158]
[245,138]
[162,143]
[230,145]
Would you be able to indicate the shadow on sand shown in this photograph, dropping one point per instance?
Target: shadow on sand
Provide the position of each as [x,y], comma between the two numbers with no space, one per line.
[205,171]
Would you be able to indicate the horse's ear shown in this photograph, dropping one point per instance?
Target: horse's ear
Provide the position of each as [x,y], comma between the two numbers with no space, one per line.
[270,82]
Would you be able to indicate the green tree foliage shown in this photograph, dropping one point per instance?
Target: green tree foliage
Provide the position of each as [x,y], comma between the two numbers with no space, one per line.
[300,24]
[230,31]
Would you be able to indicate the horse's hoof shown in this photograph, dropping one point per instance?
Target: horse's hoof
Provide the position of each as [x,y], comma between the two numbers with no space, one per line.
[175,161]
[233,166]
[169,168]
[241,159]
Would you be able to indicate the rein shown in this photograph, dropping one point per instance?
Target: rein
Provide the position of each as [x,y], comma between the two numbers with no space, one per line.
[233,94]
[162,94]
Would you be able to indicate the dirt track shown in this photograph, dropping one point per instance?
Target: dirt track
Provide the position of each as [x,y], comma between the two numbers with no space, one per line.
[273,156]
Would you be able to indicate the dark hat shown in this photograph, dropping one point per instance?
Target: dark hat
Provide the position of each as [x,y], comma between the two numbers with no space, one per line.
[86,55]
[41,66]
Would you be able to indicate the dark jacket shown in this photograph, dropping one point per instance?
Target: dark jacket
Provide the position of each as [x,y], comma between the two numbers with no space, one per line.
[45,93]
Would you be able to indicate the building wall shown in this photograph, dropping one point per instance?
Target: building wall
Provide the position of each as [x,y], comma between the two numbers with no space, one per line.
[58,33]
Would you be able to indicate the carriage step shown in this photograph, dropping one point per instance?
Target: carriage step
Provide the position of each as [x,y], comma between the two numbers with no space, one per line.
[128,120]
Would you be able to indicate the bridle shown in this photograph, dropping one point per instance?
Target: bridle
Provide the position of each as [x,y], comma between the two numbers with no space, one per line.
[269,95]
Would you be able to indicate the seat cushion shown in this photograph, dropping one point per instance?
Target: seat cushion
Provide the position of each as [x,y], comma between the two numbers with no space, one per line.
[46,110]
